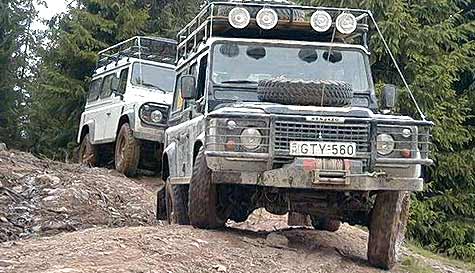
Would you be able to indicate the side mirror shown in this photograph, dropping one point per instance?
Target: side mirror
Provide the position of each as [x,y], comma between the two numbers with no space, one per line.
[187,84]
[389,96]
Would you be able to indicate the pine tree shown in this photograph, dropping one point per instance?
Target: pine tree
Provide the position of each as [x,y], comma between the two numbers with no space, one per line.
[16,40]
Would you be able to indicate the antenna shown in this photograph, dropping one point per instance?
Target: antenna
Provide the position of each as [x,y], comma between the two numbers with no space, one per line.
[397,66]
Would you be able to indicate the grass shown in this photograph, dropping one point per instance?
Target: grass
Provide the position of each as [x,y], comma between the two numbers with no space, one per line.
[442,259]
[412,265]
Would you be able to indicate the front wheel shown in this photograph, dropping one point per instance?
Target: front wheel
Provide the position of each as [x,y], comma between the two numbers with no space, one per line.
[387,227]
[203,208]
[127,151]
[87,152]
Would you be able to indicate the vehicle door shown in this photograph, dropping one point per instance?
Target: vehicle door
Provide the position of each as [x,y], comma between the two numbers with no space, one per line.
[105,99]
[93,109]
[115,105]
[187,117]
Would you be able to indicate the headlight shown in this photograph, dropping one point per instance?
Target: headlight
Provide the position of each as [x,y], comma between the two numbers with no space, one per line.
[346,23]
[239,17]
[153,113]
[251,138]
[321,21]
[385,144]
[266,18]
[156,116]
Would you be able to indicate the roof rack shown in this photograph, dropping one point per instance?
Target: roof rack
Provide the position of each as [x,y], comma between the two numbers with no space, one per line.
[212,21]
[140,47]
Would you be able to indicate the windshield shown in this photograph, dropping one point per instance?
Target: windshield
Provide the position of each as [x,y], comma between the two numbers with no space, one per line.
[152,76]
[247,64]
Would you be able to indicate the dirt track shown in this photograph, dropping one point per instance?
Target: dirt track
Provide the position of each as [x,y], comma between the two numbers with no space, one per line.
[114,230]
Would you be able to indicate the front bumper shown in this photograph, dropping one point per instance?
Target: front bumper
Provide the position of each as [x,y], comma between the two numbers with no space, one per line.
[300,176]
[150,133]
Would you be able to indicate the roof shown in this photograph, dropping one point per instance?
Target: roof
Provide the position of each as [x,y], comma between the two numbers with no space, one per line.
[153,49]
[293,24]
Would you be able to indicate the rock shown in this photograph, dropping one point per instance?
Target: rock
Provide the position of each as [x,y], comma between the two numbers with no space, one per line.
[3,147]
[277,240]
[220,268]
[48,179]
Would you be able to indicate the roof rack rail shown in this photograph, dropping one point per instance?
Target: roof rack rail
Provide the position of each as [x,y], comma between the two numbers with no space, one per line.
[140,47]
[212,21]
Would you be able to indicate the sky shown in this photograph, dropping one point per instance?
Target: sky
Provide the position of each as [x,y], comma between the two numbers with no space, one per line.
[54,7]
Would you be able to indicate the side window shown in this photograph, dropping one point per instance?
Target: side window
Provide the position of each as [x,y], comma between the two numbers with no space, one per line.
[192,70]
[201,80]
[123,80]
[177,100]
[106,90]
[94,90]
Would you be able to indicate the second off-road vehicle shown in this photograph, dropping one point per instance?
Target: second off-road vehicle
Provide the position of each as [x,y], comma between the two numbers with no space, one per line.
[275,107]
[125,116]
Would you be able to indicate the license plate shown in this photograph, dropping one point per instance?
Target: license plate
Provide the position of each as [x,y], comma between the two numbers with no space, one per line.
[327,149]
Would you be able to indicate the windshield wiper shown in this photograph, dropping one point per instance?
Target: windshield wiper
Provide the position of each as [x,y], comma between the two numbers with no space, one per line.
[239,81]
[153,86]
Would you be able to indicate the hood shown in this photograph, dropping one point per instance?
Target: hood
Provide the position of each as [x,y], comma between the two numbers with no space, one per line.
[151,95]
[280,109]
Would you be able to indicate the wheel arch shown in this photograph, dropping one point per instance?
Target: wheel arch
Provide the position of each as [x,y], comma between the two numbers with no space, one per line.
[196,148]
[87,128]
[123,119]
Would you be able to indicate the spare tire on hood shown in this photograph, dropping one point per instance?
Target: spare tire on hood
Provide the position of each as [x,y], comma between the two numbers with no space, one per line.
[301,92]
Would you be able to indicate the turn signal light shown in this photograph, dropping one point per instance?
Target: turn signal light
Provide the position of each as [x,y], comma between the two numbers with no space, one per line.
[230,146]
[406,153]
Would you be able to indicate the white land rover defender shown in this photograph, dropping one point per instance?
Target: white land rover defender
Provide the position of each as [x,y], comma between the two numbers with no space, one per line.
[275,107]
[127,107]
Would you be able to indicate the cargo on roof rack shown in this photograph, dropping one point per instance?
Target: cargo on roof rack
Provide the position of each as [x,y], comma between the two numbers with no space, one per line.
[140,47]
[273,20]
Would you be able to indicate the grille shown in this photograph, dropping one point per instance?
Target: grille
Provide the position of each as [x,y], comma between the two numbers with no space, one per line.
[286,131]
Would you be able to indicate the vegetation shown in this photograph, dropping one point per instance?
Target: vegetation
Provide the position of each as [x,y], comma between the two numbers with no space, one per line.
[433,41]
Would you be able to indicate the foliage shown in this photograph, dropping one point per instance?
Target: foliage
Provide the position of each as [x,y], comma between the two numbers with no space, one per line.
[16,44]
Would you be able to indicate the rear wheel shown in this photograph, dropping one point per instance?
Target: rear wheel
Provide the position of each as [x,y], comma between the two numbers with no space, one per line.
[387,227]
[161,213]
[325,223]
[203,208]
[127,151]
[87,152]
[176,197]
[297,219]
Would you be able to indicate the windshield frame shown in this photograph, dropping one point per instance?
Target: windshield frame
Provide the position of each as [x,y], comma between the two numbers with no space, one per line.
[159,65]
[287,43]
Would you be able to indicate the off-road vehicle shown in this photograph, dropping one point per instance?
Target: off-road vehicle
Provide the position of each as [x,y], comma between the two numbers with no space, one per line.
[126,112]
[275,107]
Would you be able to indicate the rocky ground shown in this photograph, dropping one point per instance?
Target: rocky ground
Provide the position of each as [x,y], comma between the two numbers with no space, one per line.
[66,218]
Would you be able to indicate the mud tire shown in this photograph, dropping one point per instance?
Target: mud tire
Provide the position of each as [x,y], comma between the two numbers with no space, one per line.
[387,228]
[324,223]
[316,93]
[127,151]
[176,197]
[87,152]
[161,207]
[297,219]
[203,196]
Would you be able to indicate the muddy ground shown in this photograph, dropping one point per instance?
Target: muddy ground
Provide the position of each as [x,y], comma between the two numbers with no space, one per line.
[66,218]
